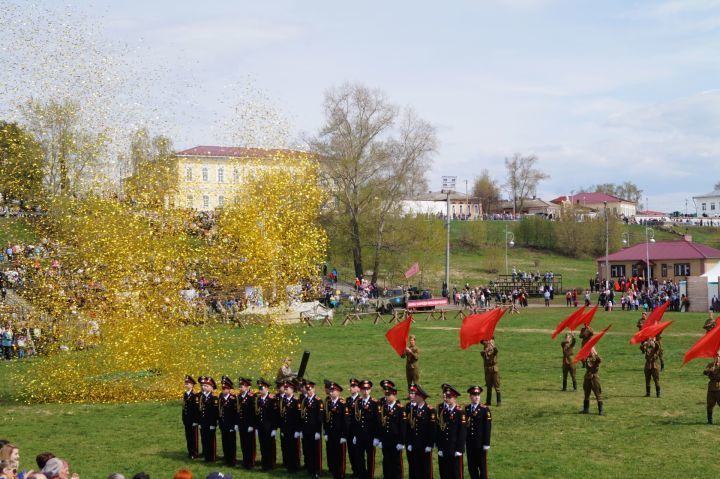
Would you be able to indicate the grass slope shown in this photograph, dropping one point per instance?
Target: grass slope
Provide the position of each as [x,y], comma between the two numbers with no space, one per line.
[536,433]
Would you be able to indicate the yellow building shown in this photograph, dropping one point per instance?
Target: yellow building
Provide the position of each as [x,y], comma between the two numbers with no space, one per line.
[211,176]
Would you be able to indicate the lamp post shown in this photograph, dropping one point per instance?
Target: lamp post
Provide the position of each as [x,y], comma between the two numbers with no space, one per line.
[509,241]
[448,185]
[607,248]
[649,238]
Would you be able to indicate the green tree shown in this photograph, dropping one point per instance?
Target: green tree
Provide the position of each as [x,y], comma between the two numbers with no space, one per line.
[487,189]
[154,166]
[21,171]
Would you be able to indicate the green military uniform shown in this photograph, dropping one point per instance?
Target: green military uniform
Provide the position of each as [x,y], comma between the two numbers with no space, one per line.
[591,383]
[641,321]
[651,350]
[412,368]
[492,372]
[585,334]
[709,324]
[568,366]
[712,371]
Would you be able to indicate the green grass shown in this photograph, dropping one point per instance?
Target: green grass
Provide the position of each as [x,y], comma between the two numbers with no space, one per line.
[536,433]
[15,230]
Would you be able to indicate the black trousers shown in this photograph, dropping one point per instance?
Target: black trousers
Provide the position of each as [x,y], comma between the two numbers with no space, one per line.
[365,457]
[450,467]
[191,439]
[229,446]
[247,446]
[353,456]
[336,458]
[312,453]
[420,464]
[392,462]
[268,450]
[290,450]
[209,445]
[477,463]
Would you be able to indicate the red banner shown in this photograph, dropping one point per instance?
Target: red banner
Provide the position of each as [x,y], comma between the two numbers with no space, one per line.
[398,335]
[479,327]
[414,269]
[585,351]
[567,321]
[649,332]
[705,347]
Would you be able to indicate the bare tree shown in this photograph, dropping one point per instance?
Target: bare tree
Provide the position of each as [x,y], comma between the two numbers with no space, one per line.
[522,178]
[487,189]
[374,154]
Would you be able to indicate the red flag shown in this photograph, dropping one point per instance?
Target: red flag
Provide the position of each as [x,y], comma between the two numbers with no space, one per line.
[585,350]
[705,347]
[565,322]
[584,319]
[397,336]
[649,332]
[655,316]
[478,327]
[414,269]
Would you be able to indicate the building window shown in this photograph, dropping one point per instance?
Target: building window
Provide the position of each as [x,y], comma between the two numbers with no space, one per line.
[206,201]
[221,201]
[188,174]
[205,173]
[703,206]
[682,269]
[663,271]
[712,206]
[635,270]
[221,175]
[617,270]
[236,176]
[189,201]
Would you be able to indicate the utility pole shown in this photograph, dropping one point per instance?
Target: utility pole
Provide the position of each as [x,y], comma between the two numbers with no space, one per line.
[448,185]
[607,248]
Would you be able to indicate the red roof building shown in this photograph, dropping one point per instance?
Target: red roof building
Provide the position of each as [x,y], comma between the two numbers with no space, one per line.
[597,202]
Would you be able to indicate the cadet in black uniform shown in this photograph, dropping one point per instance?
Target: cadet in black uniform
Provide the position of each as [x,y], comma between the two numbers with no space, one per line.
[352,448]
[208,412]
[385,384]
[335,431]
[392,434]
[478,419]
[451,434]
[191,417]
[228,421]
[420,437]
[364,430]
[246,422]
[266,424]
[311,417]
[289,421]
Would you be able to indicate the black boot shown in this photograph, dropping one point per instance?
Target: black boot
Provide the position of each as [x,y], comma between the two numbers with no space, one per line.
[586,406]
[709,417]
[647,391]
[657,391]
[574,386]
[600,408]
[488,397]
[497,395]
[564,384]
[662,365]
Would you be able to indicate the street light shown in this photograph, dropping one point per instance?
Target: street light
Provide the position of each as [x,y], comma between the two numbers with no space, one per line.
[509,241]
[448,185]
[607,248]
[649,238]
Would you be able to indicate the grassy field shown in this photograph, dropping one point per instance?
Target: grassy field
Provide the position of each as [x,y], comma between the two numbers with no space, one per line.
[15,230]
[536,433]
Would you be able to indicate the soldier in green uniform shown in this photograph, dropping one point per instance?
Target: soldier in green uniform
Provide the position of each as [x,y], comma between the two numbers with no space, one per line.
[709,323]
[568,366]
[641,321]
[651,349]
[712,371]
[591,382]
[412,356]
[492,372]
[585,334]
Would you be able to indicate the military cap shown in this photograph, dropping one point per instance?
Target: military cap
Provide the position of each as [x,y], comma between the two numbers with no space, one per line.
[448,390]
[385,383]
[366,384]
[354,382]
[226,382]
[208,380]
[475,389]
[308,383]
[419,391]
[390,390]
[189,379]
[262,382]
[334,385]
[245,381]
[327,383]
[290,383]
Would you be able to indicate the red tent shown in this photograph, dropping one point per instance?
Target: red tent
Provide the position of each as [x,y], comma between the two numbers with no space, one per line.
[479,327]
[565,322]
[585,350]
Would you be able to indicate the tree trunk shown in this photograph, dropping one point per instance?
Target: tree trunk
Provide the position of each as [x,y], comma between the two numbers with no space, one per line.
[355,246]
[378,246]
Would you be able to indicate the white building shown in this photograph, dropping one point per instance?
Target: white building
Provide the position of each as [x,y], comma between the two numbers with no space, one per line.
[462,207]
[708,205]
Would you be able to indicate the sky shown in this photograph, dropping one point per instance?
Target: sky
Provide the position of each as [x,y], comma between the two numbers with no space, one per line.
[601,92]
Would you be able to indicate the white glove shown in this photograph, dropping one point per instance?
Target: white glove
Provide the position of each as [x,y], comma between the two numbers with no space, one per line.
[250,429]
[325,437]
[194,424]
[487,448]
[212,428]
[376,442]
[428,449]
[399,447]
[343,440]
[458,454]
[273,433]
[297,435]
[440,454]
[355,440]
[317,436]
[409,448]
[236,428]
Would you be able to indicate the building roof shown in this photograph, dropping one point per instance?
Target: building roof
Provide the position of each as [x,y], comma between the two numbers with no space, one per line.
[438,196]
[592,198]
[650,213]
[238,152]
[663,250]
[527,203]
[713,193]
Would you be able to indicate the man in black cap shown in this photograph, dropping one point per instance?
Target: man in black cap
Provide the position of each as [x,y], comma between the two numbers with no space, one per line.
[246,422]
[392,434]
[228,421]
[352,448]
[266,424]
[335,431]
[420,437]
[479,422]
[451,435]
[208,413]
[311,416]
[290,428]
[385,384]
[364,425]
[191,416]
